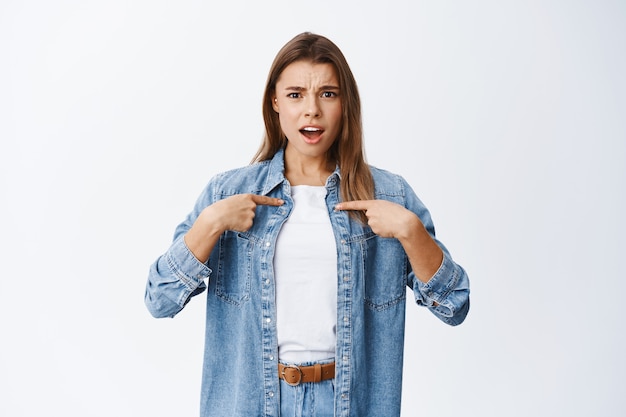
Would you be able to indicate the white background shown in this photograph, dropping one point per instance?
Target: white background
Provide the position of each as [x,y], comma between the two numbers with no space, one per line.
[507,117]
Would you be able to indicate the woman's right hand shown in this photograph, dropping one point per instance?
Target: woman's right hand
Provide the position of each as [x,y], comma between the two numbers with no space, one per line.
[232,213]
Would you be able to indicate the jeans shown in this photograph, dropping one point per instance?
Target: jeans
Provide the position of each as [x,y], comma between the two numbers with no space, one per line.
[309,399]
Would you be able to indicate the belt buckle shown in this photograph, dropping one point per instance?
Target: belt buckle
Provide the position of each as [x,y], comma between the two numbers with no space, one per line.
[297,368]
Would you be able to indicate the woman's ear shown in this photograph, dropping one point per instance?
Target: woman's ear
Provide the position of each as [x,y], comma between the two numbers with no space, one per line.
[275,104]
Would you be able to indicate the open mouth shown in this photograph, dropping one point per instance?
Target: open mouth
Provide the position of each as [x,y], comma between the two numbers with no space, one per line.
[312,133]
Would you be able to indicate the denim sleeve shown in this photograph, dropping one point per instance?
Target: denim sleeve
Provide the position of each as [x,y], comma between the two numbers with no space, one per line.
[174,278]
[446,294]
[177,275]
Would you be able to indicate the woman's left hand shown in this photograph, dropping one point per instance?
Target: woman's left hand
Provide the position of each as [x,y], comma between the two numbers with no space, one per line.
[388,219]
[385,218]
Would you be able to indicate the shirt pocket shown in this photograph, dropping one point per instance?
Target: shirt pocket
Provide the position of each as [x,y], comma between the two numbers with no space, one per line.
[234,269]
[384,271]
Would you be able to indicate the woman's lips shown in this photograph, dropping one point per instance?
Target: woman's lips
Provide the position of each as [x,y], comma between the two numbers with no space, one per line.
[311,134]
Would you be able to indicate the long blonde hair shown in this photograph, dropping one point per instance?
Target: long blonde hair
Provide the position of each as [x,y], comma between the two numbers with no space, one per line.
[347,150]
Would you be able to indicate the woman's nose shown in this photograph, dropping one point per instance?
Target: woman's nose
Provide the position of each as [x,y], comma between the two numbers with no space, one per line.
[312,107]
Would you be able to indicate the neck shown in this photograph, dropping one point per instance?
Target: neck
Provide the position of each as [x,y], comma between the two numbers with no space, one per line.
[302,170]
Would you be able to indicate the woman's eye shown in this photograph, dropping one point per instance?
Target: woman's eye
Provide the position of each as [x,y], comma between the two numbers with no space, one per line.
[293,95]
[329,94]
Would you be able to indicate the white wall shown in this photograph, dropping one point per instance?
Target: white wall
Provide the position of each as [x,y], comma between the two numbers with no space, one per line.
[507,117]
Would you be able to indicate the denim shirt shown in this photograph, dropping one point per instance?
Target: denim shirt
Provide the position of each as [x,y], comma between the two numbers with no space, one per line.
[240,376]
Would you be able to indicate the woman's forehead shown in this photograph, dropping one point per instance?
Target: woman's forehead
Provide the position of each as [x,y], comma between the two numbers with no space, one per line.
[307,73]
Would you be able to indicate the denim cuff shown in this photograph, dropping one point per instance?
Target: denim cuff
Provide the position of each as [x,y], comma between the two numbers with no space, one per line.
[186,266]
[437,289]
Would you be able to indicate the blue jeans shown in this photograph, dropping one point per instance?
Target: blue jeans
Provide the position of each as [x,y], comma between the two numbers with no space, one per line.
[309,399]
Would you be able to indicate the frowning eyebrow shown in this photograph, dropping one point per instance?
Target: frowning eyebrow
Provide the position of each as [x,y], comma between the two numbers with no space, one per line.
[324,87]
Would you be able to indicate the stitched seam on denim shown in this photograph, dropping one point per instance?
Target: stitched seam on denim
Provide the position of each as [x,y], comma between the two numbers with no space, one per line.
[175,268]
[220,290]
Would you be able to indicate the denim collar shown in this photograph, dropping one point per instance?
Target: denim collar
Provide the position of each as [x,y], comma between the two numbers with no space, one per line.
[276,173]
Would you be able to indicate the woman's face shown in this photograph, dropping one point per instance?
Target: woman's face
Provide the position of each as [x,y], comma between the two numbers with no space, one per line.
[309,108]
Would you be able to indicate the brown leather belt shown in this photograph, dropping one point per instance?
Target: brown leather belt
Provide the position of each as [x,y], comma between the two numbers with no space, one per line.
[294,375]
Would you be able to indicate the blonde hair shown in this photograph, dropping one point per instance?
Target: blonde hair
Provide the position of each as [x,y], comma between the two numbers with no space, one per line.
[347,150]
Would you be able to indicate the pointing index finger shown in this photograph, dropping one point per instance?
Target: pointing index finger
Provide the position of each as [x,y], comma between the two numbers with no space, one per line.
[264,200]
[353,205]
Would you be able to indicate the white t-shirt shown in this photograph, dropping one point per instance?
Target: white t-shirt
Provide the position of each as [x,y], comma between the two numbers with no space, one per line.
[305,269]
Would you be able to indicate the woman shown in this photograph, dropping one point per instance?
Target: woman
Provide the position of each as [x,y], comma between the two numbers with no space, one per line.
[307,255]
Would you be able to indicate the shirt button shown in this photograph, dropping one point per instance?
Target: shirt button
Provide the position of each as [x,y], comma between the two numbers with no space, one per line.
[271,393]
[346,319]
[268,320]
[271,357]
[267,281]
[346,278]
[267,244]
[343,241]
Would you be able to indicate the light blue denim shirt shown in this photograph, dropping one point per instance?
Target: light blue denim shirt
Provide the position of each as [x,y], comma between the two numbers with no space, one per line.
[240,375]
